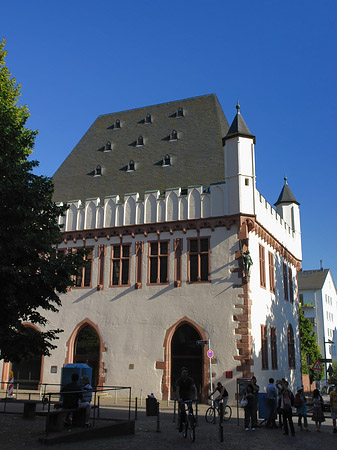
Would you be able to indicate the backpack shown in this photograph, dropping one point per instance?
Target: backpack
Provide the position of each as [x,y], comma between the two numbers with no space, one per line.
[297,401]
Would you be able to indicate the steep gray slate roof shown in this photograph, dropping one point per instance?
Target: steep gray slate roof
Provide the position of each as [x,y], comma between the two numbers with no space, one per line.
[312,279]
[238,127]
[197,155]
[286,196]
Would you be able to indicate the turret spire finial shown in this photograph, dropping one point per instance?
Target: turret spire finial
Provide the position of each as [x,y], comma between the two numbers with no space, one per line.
[238,107]
[285,179]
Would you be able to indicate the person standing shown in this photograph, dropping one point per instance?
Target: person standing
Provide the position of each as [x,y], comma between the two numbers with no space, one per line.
[317,415]
[85,401]
[256,389]
[301,407]
[333,405]
[271,402]
[249,408]
[286,404]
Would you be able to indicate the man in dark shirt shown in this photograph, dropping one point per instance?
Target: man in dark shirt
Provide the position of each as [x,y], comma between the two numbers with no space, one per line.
[72,393]
[185,390]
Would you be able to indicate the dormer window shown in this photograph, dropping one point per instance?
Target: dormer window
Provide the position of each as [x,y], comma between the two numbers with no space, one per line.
[98,171]
[148,118]
[131,166]
[180,112]
[166,161]
[173,135]
[107,147]
[140,141]
[117,123]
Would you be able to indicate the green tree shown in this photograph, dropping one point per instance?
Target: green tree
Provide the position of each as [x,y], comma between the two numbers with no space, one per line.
[308,345]
[32,274]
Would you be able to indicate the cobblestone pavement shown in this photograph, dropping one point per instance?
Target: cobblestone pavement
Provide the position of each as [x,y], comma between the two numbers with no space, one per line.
[18,433]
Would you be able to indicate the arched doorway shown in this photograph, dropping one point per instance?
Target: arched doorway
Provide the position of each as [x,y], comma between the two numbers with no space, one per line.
[186,353]
[87,350]
[27,372]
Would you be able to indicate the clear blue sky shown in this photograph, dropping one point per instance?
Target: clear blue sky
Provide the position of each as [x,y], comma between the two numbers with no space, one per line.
[79,59]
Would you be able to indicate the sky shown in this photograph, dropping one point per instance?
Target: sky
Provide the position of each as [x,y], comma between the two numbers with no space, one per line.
[79,59]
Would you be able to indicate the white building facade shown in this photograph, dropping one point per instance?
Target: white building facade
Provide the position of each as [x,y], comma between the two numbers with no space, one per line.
[166,264]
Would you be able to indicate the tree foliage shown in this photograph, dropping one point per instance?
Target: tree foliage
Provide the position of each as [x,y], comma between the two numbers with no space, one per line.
[308,345]
[32,274]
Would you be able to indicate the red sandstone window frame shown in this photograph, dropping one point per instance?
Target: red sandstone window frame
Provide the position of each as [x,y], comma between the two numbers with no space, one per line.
[85,279]
[200,254]
[120,258]
[273,346]
[291,286]
[156,262]
[262,261]
[285,281]
[271,262]
[139,262]
[291,347]
[264,347]
[101,264]
[178,249]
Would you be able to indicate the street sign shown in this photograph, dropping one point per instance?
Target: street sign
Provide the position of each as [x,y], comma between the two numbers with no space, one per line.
[210,353]
[325,360]
[202,342]
[317,367]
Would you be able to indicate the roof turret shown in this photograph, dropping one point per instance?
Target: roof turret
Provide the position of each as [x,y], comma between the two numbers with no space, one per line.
[286,196]
[238,127]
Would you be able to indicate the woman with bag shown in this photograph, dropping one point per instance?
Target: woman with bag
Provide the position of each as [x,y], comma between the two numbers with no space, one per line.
[286,406]
[317,415]
[249,402]
[301,407]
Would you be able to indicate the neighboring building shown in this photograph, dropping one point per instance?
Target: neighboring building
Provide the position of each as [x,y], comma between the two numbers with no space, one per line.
[318,298]
[166,198]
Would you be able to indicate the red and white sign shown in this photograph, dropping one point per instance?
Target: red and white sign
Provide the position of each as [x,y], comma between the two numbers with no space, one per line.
[11,384]
[317,367]
[210,353]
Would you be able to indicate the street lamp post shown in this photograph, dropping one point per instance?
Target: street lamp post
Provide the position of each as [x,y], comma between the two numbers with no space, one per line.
[329,341]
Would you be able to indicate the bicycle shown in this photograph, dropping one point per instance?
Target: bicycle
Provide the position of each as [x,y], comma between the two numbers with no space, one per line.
[211,412]
[189,424]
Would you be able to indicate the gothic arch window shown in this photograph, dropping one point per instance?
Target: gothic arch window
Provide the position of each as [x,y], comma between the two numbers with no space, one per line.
[107,147]
[291,348]
[166,161]
[131,166]
[180,112]
[148,118]
[140,141]
[174,135]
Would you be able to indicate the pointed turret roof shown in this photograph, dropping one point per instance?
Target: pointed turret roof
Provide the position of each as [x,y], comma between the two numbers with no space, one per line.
[286,196]
[238,127]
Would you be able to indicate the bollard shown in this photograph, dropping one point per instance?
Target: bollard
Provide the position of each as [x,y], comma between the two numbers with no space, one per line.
[174,411]
[221,422]
[136,407]
[158,421]
[98,405]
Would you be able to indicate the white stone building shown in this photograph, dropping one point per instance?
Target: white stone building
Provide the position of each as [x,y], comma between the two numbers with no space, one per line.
[166,198]
[318,297]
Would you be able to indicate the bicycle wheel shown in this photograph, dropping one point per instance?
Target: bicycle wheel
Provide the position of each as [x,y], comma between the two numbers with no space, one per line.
[185,429]
[191,430]
[227,414]
[210,415]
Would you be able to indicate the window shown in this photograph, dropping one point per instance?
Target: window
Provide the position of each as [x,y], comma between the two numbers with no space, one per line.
[178,248]
[198,260]
[101,258]
[173,135]
[117,124]
[291,347]
[166,160]
[120,264]
[273,345]
[264,346]
[291,287]
[83,279]
[271,262]
[140,141]
[98,171]
[107,147]
[148,118]
[285,282]
[180,112]
[158,262]
[139,261]
[131,166]
[262,266]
